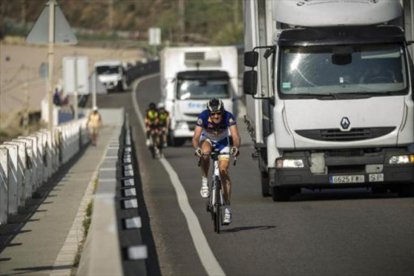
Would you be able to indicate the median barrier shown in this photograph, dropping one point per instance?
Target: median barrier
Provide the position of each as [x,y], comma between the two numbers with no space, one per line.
[114,243]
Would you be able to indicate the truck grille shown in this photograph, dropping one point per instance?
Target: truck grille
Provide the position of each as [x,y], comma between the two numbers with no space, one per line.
[337,135]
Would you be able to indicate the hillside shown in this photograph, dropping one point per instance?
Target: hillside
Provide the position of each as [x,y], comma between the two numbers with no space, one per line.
[216,22]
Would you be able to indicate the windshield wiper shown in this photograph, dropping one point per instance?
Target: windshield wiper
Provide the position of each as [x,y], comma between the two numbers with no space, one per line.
[325,96]
[362,95]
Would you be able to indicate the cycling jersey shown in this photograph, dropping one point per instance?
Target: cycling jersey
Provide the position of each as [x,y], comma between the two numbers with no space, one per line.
[152,115]
[212,131]
[151,118]
[163,118]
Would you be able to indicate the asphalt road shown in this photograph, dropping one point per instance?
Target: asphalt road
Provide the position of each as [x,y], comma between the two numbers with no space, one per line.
[341,232]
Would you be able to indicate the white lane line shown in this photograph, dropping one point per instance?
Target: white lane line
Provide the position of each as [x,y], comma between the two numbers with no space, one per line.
[209,261]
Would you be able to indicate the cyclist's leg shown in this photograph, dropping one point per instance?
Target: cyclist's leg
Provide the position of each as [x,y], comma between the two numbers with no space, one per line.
[206,147]
[223,146]
[224,160]
[148,134]
[225,178]
[156,137]
[164,133]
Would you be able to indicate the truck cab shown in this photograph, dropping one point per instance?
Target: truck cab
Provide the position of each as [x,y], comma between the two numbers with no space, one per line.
[335,81]
[190,77]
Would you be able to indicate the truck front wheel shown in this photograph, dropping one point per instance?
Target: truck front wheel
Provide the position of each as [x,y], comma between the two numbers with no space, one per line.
[406,190]
[178,142]
[283,193]
[264,177]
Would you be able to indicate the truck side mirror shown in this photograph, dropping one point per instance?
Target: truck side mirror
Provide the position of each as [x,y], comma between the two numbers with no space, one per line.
[251,58]
[250,82]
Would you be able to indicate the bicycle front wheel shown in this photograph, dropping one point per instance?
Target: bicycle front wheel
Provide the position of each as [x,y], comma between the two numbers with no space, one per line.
[217,205]
[217,221]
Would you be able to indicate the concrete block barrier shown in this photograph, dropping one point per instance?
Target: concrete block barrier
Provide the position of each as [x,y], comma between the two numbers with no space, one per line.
[27,162]
[4,185]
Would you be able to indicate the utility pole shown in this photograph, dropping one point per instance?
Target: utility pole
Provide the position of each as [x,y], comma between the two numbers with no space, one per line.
[181,16]
[23,13]
[75,95]
[236,12]
[111,15]
[51,48]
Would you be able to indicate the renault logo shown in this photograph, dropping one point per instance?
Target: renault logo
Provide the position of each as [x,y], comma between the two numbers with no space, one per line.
[345,123]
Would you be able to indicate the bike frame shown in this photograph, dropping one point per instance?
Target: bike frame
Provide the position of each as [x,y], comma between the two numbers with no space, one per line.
[156,142]
[216,200]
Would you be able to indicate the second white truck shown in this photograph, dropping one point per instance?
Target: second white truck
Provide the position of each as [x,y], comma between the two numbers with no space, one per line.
[332,87]
[190,76]
[111,73]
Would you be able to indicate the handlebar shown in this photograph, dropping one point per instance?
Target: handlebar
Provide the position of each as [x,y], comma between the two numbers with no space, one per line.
[204,154]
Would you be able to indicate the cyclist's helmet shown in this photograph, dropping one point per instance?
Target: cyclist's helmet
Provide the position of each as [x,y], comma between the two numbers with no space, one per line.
[161,106]
[215,105]
[152,106]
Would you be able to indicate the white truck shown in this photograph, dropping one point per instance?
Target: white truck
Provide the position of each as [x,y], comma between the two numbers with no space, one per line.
[111,73]
[190,76]
[332,94]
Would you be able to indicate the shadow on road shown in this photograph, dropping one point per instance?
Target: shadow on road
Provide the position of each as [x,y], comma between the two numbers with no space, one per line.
[246,228]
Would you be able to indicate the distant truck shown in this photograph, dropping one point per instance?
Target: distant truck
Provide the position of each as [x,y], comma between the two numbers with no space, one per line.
[190,76]
[112,74]
[332,94]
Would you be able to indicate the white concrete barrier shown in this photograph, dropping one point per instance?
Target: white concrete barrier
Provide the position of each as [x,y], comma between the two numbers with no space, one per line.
[29,161]
[12,180]
[4,175]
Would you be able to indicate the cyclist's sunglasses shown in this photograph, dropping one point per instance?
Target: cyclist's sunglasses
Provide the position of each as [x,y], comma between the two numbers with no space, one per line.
[215,113]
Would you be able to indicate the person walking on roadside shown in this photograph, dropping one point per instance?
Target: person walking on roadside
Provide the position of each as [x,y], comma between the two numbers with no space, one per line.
[94,124]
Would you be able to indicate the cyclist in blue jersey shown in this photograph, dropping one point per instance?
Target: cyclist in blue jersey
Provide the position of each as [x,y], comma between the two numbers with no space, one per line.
[214,128]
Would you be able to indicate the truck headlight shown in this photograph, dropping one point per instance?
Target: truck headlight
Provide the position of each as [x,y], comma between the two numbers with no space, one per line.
[182,125]
[289,163]
[401,159]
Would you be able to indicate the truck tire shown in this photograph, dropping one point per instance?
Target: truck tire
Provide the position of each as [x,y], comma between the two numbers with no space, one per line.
[178,142]
[283,193]
[119,87]
[124,85]
[406,190]
[264,177]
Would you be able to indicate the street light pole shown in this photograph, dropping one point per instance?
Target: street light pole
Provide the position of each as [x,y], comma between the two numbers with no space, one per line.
[51,61]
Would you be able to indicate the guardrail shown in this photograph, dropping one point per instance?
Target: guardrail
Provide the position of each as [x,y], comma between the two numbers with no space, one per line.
[27,162]
[142,69]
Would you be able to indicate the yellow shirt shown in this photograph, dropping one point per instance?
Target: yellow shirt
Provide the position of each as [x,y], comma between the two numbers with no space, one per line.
[94,120]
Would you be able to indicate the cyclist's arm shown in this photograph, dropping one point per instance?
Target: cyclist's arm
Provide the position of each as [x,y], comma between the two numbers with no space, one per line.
[234,132]
[196,136]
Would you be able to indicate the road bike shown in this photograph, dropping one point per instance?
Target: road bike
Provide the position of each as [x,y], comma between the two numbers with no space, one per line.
[155,143]
[215,202]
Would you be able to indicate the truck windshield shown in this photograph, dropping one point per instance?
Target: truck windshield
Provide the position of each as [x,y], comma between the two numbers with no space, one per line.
[202,89]
[354,70]
[108,70]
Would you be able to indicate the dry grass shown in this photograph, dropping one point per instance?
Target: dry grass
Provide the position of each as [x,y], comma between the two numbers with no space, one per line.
[20,64]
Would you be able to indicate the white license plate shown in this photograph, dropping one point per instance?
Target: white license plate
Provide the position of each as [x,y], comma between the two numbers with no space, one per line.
[376,177]
[347,179]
